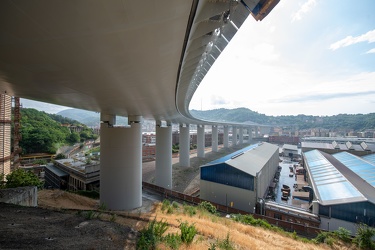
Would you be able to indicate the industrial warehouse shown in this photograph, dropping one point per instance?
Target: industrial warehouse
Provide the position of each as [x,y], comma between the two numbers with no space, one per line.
[344,189]
[239,179]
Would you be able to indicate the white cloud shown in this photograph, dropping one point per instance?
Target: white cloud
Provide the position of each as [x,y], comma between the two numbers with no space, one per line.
[306,7]
[371,51]
[350,40]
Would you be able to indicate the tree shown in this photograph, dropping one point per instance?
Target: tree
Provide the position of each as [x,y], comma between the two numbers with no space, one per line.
[60,156]
[22,178]
[73,138]
[44,133]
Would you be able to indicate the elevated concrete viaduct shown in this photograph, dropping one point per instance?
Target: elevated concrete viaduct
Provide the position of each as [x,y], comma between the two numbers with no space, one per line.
[140,59]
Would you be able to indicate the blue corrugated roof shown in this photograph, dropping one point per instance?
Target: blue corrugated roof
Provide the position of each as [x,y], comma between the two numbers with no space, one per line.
[370,158]
[331,185]
[363,168]
[229,156]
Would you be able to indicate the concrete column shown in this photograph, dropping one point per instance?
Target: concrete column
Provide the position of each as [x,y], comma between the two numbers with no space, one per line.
[226,136]
[234,136]
[255,131]
[241,135]
[184,146]
[163,162]
[250,134]
[200,141]
[214,138]
[121,165]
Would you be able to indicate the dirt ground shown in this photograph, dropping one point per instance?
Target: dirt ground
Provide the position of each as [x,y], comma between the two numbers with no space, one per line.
[42,228]
[64,220]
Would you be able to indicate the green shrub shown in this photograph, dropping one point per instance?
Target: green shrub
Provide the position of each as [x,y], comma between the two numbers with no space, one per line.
[40,162]
[187,232]
[174,204]
[248,219]
[226,244]
[22,178]
[89,215]
[190,210]
[325,237]
[150,236]
[113,218]
[170,210]
[329,241]
[363,237]
[320,238]
[343,234]
[207,206]
[172,240]
[165,205]
[212,246]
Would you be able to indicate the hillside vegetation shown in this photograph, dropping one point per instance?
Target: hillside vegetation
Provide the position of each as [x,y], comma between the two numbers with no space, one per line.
[44,133]
[358,122]
[172,225]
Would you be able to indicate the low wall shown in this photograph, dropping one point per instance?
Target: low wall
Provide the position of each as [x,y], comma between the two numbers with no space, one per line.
[23,196]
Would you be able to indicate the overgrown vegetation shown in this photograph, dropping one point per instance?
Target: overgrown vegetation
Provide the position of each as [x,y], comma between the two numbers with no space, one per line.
[205,205]
[21,178]
[362,239]
[153,234]
[188,232]
[248,219]
[44,133]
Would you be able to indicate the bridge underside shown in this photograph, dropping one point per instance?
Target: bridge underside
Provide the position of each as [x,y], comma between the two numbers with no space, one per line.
[127,58]
[116,57]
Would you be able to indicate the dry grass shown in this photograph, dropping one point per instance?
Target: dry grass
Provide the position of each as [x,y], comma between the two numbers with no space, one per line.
[48,198]
[211,228]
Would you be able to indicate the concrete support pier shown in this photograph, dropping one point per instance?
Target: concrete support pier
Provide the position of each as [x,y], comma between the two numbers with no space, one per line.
[214,138]
[234,136]
[200,141]
[241,135]
[120,164]
[163,162]
[226,136]
[250,133]
[184,146]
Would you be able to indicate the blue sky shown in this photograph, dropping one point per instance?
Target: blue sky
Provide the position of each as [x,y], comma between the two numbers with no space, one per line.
[314,57]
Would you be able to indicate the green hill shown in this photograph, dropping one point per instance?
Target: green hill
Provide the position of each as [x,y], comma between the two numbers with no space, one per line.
[43,133]
[89,118]
[358,122]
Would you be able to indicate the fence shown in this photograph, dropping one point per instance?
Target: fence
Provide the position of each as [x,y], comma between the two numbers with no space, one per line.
[286,225]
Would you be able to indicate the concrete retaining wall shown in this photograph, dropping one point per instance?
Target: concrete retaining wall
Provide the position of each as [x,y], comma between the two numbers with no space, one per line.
[24,196]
